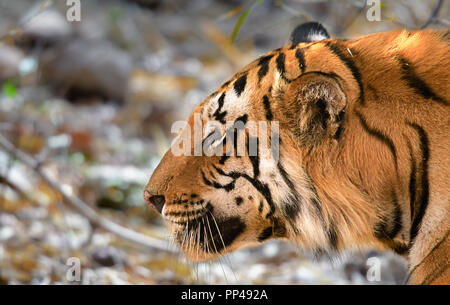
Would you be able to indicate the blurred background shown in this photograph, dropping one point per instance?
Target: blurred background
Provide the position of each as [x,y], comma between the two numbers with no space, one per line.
[91,103]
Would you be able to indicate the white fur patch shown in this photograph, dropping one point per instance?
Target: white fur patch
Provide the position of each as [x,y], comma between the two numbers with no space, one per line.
[316,36]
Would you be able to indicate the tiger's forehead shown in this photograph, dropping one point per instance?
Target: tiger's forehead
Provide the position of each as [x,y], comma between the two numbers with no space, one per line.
[256,84]
[228,103]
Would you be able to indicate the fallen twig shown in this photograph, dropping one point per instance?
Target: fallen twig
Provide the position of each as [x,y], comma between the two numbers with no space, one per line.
[4,180]
[433,15]
[82,207]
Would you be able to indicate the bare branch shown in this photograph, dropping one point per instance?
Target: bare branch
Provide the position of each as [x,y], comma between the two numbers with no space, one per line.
[82,207]
[442,21]
[5,181]
[433,15]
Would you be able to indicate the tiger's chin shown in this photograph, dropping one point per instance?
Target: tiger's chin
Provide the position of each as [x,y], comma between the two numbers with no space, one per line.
[207,238]
[199,254]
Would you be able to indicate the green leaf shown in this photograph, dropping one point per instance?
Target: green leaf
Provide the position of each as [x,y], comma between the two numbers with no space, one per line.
[9,89]
[238,25]
[242,19]
[115,14]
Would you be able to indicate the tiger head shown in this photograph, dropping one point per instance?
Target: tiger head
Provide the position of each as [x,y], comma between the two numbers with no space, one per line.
[327,143]
[216,200]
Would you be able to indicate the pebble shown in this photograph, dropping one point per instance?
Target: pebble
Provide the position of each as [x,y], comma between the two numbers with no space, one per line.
[109,256]
[10,58]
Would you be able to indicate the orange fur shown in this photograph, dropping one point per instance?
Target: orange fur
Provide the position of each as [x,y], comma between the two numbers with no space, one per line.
[383,182]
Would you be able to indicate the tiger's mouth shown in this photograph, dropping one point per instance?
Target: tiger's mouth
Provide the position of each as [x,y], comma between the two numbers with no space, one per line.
[207,236]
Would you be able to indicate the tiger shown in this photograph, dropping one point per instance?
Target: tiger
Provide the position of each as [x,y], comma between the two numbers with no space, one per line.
[363,153]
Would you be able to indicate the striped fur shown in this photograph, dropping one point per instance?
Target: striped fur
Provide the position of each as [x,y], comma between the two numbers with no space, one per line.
[364,154]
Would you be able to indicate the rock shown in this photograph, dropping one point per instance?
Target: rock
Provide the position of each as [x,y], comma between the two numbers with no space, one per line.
[375,267]
[85,69]
[109,276]
[355,271]
[393,267]
[6,233]
[304,275]
[7,219]
[271,250]
[109,256]
[80,228]
[168,278]
[10,58]
[256,271]
[44,28]
[111,172]
[37,231]
[11,230]
[150,4]
[40,279]
[33,213]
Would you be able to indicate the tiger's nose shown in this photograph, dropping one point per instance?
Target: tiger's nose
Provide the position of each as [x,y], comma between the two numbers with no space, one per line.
[156,201]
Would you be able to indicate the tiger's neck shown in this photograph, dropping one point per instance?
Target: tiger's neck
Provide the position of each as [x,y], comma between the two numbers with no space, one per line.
[376,212]
[365,212]
[430,270]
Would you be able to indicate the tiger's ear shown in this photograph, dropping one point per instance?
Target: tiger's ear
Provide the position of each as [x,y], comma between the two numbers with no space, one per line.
[313,106]
[309,32]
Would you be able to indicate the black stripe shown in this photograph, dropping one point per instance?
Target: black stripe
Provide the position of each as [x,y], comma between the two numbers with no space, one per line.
[412,180]
[387,227]
[223,159]
[264,190]
[400,248]
[422,199]
[239,84]
[378,134]
[218,114]
[281,66]
[290,208]
[255,159]
[332,236]
[233,133]
[261,187]
[225,84]
[280,63]
[264,66]
[340,120]
[397,220]
[285,177]
[436,246]
[266,104]
[227,187]
[436,273]
[446,36]
[291,203]
[316,201]
[334,48]
[265,234]
[301,59]
[219,171]
[243,118]
[416,83]
[329,228]
[186,213]
[261,205]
